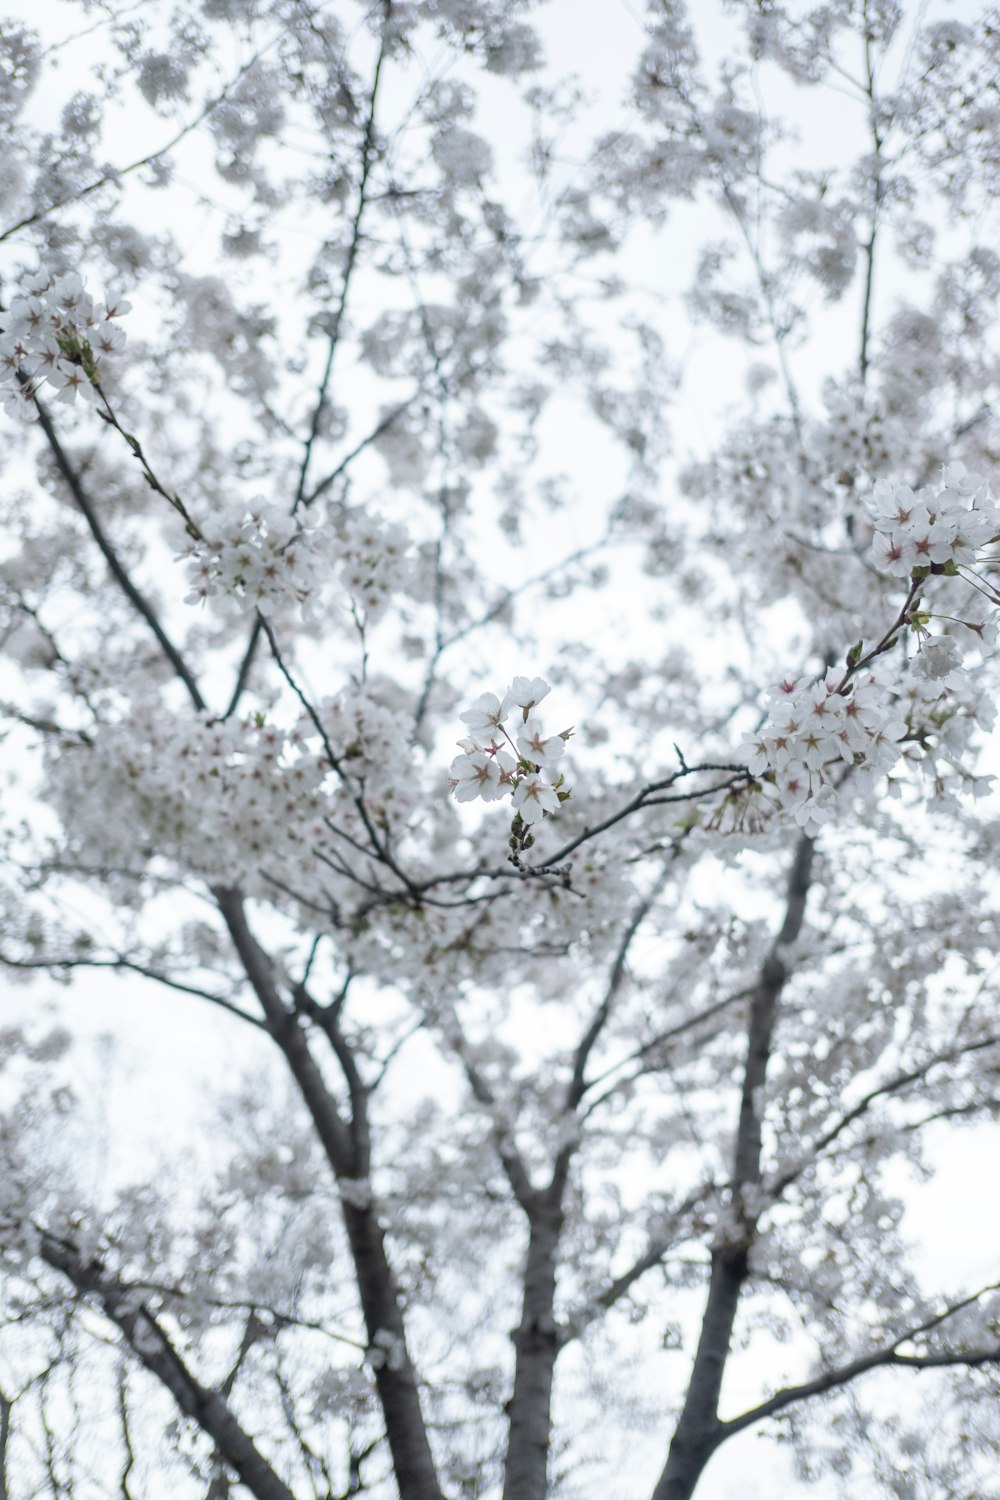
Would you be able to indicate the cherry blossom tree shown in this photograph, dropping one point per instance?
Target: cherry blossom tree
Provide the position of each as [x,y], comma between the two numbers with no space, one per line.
[498,596]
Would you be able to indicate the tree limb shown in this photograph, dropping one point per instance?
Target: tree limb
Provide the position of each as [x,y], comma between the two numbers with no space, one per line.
[699,1431]
[152,1346]
[136,598]
[885,1358]
[395,1376]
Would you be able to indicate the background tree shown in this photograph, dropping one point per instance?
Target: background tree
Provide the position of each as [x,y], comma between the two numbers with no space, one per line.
[591,1111]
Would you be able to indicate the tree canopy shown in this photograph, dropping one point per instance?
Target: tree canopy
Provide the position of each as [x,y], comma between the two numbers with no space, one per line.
[498,595]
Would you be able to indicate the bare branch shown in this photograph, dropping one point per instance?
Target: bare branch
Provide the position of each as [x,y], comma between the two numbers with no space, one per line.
[136,598]
[511,1160]
[152,1346]
[578,1085]
[6,1408]
[892,1086]
[120,964]
[696,1435]
[116,173]
[653,1256]
[126,1431]
[395,1378]
[888,1357]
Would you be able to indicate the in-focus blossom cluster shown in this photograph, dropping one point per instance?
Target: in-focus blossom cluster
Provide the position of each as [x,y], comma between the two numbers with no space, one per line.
[523,760]
[813,731]
[55,334]
[932,527]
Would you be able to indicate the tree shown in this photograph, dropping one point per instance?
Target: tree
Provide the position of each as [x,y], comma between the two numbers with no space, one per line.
[585,1094]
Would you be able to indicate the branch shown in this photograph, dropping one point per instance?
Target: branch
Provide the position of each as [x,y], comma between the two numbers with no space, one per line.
[578,1085]
[243,674]
[367,161]
[139,602]
[314,1462]
[877,191]
[379,851]
[392,415]
[510,1157]
[886,1357]
[116,173]
[6,1407]
[152,1346]
[656,1043]
[651,1257]
[697,1434]
[301,498]
[777,1185]
[327,1018]
[119,964]
[126,1432]
[647,798]
[395,1376]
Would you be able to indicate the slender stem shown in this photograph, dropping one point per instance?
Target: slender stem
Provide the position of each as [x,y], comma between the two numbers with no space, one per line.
[116,173]
[367,162]
[136,598]
[869,247]
[6,1407]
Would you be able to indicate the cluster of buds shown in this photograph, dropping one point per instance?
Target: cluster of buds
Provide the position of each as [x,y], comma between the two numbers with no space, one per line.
[521,761]
[55,334]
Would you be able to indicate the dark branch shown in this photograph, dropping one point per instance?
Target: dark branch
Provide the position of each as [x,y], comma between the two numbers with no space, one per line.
[152,1346]
[139,602]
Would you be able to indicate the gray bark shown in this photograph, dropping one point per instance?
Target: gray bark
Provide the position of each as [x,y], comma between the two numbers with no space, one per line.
[345,1144]
[699,1430]
[536,1342]
[150,1343]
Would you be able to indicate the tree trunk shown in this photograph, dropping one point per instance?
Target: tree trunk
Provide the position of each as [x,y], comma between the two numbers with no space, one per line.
[537,1344]
[395,1378]
[699,1430]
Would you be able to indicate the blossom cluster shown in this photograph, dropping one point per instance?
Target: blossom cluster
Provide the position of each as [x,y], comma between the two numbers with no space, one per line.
[264,558]
[524,761]
[815,730]
[55,334]
[223,797]
[372,561]
[260,559]
[931,528]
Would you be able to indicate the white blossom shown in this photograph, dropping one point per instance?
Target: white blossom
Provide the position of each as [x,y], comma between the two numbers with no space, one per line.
[54,333]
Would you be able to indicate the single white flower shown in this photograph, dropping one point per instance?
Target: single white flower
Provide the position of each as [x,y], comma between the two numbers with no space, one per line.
[894,552]
[485,715]
[475,774]
[936,658]
[538,747]
[525,692]
[753,748]
[534,797]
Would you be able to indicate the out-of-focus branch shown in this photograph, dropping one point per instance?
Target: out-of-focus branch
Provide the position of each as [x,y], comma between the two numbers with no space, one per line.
[699,1431]
[888,1357]
[119,573]
[152,1346]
